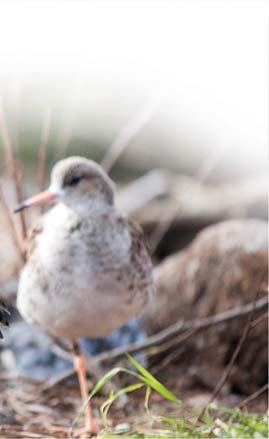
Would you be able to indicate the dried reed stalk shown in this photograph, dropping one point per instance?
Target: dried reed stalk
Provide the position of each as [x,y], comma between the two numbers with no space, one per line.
[234,356]
[254,395]
[42,154]
[16,239]
[129,131]
[14,169]
[63,140]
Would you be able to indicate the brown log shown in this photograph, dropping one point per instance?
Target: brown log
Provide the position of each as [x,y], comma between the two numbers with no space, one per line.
[225,266]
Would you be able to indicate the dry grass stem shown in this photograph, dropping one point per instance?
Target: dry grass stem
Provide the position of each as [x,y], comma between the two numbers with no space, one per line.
[254,395]
[13,167]
[63,140]
[45,132]
[173,342]
[16,239]
[129,131]
[259,320]
[231,363]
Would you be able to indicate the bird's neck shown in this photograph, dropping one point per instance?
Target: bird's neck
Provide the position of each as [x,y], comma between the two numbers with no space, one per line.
[90,208]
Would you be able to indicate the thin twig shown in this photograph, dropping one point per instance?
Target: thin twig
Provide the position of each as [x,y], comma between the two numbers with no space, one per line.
[13,167]
[58,379]
[44,139]
[233,358]
[174,354]
[7,142]
[63,139]
[129,131]
[192,326]
[253,396]
[19,197]
[259,320]
[180,327]
[16,240]
[62,353]
[173,342]
[167,360]
[176,341]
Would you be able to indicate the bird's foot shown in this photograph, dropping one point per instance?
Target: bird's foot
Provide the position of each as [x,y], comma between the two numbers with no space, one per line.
[89,431]
[86,432]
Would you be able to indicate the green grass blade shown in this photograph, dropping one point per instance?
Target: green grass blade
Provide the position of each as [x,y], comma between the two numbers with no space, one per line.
[108,376]
[113,396]
[152,382]
[146,401]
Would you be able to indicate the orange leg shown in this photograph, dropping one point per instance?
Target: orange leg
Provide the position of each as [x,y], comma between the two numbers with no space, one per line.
[81,369]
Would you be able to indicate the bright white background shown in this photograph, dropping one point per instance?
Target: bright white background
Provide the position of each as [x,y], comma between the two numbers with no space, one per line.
[201,64]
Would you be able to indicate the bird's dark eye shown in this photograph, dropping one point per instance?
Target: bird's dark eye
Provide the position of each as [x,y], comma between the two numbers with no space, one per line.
[74,180]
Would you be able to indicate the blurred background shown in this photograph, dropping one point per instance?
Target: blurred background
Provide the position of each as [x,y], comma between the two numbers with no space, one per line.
[195,70]
[170,97]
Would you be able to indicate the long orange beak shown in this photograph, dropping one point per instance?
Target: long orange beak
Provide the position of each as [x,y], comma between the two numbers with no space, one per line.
[45,197]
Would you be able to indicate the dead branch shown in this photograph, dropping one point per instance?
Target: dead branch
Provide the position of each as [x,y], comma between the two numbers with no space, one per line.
[191,327]
[180,327]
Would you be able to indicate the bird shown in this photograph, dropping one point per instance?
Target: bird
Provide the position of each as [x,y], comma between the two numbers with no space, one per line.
[4,316]
[88,270]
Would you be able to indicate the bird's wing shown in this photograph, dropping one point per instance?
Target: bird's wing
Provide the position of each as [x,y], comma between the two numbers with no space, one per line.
[140,256]
[137,233]
[4,316]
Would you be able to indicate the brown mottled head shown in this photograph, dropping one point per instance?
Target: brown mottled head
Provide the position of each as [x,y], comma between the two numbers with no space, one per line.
[76,172]
[78,179]
[79,183]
